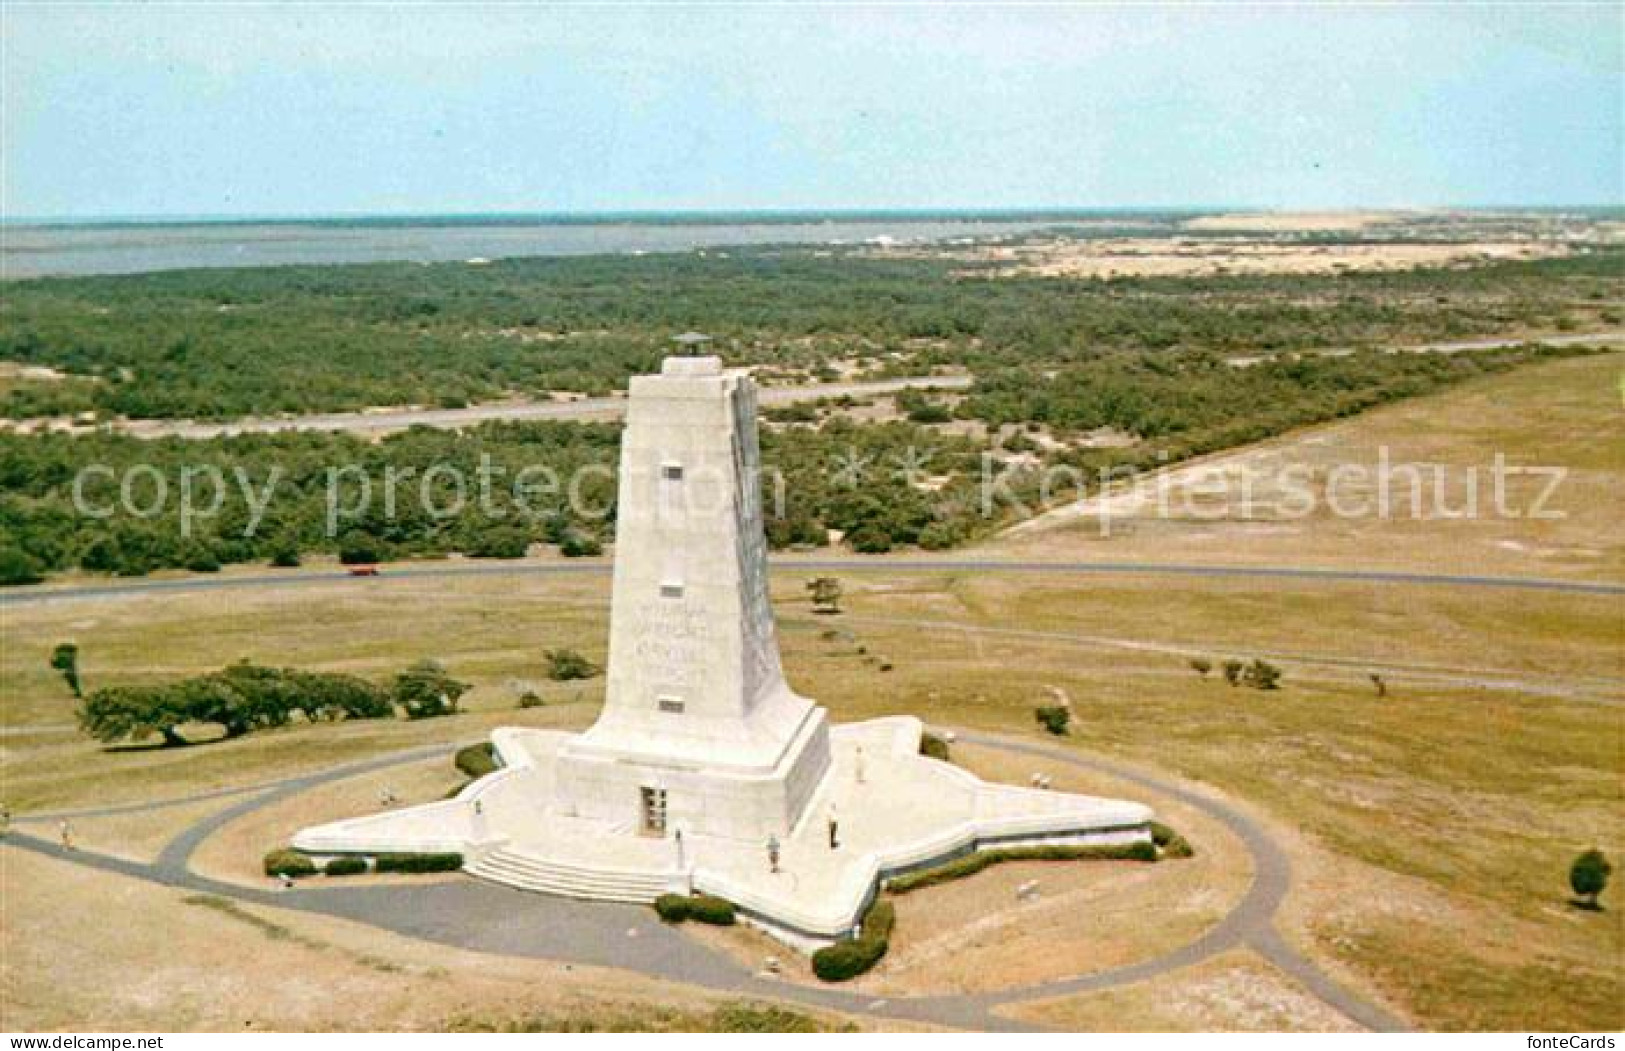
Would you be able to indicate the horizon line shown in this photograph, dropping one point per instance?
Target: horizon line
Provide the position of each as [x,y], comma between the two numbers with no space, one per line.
[778,214]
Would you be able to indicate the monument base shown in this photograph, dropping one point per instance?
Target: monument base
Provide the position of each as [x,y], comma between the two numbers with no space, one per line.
[893,811]
[645,794]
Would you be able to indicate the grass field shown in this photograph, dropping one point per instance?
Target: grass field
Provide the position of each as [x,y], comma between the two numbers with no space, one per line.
[1430,830]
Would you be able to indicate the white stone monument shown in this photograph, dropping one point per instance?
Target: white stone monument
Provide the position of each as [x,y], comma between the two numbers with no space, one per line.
[703,755]
[698,727]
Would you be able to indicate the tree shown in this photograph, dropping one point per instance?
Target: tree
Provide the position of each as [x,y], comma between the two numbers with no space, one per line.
[1055,718]
[1232,672]
[359,549]
[425,690]
[577,544]
[133,712]
[19,567]
[1588,877]
[826,594]
[1262,675]
[65,659]
[1201,666]
[566,664]
[1380,684]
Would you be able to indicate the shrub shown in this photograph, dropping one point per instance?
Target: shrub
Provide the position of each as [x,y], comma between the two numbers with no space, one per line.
[1232,672]
[970,864]
[566,664]
[417,863]
[530,699]
[360,550]
[425,691]
[1053,717]
[1262,675]
[349,865]
[702,908]
[19,567]
[880,920]
[286,862]
[849,958]
[934,747]
[477,760]
[580,545]
[1588,876]
[1201,666]
[760,1018]
[1171,843]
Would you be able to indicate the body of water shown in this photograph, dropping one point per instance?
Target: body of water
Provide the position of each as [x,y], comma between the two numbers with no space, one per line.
[28,250]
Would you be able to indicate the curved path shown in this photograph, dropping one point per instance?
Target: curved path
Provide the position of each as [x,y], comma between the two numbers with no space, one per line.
[485,917]
[31,594]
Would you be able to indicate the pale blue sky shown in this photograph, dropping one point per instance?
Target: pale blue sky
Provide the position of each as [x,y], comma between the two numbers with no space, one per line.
[280,109]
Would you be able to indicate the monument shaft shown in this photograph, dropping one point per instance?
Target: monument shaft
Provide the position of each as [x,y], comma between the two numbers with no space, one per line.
[698,721]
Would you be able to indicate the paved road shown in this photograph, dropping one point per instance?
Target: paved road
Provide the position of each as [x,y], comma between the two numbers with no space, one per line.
[1459,346]
[580,409]
[485,917]
[18,596]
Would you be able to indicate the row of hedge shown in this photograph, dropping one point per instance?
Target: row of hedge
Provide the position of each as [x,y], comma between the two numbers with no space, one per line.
[970,864]
[702,908]
[296,865]
[851,957]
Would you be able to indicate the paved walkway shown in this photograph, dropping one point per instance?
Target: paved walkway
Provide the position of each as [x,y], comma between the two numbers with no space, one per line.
[485,917]
[38,593]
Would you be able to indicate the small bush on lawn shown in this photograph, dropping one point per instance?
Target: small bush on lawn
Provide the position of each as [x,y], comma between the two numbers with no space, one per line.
[1171,843]
[970,864]
[346,866]
[702,908]
[934,747]
[416,863]
[477,760]
[848,959]
[1053,717]
[566,664]
[285,862]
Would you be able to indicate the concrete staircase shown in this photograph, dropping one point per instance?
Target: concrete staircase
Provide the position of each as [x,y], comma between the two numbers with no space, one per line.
[529,872]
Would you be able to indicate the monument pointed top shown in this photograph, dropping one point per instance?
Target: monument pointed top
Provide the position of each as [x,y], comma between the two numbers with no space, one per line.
[706,366]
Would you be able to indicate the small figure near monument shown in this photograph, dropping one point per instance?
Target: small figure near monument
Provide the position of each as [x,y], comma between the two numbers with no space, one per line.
[773,854]
[65,831]
[834,829]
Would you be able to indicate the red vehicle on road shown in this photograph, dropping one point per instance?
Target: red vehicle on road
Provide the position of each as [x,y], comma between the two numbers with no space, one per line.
[363,571]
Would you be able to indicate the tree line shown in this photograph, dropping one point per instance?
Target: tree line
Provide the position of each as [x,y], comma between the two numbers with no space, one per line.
[299,339]
[244,697]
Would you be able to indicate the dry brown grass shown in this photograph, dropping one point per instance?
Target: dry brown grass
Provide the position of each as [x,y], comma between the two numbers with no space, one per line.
[84,950]
[1553,414]
[1236,992]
